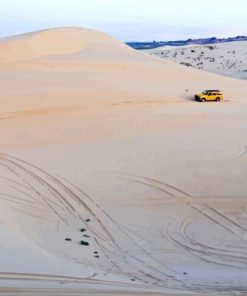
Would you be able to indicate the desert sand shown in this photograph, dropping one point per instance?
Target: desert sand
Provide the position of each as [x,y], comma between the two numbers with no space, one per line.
[113,181]
[228,59]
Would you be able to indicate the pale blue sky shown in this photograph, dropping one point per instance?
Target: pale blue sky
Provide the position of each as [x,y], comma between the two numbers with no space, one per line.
[129,20]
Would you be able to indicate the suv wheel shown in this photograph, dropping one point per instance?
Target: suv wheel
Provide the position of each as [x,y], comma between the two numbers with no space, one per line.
[217,99]
[203,100]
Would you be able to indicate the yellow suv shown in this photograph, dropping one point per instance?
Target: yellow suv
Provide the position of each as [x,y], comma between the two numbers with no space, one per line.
[209,95]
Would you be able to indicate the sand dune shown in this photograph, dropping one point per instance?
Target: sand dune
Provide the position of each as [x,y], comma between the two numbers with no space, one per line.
[112,179]
[59,41]
[74,66]
[228,59]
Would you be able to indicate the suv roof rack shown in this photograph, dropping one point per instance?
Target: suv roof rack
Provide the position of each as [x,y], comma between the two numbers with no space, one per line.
[213,90]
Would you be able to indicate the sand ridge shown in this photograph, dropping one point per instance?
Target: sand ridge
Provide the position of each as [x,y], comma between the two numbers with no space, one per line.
[58,41]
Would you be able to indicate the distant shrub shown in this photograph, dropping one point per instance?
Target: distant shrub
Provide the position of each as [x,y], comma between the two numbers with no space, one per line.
[83,243]
[211,47]
[186,64]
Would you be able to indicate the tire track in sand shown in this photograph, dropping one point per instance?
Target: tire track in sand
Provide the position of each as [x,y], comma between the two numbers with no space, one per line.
[33,178]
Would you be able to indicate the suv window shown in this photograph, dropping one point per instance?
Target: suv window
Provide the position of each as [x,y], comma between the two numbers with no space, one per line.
[214,94]
[209,94]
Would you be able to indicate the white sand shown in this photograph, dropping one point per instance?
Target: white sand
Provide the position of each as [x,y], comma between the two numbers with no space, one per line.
[228,59]
[112,135]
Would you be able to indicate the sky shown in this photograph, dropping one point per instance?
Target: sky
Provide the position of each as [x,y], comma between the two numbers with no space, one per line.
[129,20]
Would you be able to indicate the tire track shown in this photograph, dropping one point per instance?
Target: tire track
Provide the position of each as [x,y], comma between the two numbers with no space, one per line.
[40,181]
[127,235]
[243,153]
[203,246]
[176,189]
[208,212]
[63,198]
[65,195]
[204,252]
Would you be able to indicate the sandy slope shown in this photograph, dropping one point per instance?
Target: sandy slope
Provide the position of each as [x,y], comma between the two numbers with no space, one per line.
[57,42]
[104,145]
[85,73]
[228,59]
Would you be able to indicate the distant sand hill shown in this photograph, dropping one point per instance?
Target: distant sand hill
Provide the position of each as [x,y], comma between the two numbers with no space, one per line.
[228,59]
